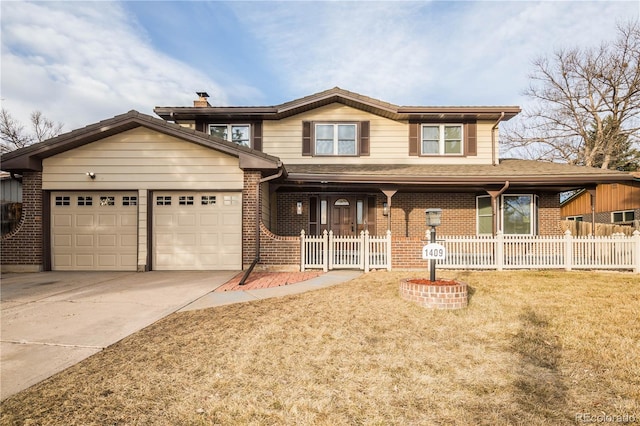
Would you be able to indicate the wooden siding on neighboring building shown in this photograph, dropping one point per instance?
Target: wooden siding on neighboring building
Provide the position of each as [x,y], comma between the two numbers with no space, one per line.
[609,197]
[388,139]
[142,159]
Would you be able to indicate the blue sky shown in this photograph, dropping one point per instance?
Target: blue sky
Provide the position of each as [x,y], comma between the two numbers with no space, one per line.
[81,62]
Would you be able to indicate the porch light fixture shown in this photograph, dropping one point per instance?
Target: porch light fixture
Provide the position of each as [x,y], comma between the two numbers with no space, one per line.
[385,209]
[434,217]
[299,207]
[91,175]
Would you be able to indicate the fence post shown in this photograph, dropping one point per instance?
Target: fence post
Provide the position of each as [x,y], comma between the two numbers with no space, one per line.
[568,250]
[499,250]
[388,249]
[365,241]
[329,240]
[636,248]
[302,251]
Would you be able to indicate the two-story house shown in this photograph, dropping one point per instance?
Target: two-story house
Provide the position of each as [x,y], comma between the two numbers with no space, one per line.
[211,187]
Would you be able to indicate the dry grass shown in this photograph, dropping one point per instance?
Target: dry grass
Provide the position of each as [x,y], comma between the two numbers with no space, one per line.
[531,348]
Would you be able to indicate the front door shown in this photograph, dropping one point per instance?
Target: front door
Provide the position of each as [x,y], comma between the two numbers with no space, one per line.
[342,216]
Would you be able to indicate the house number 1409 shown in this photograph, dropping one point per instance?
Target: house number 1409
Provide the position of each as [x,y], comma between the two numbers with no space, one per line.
[434,251]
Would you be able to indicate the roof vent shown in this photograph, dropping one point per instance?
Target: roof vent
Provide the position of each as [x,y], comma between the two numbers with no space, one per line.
[202,100]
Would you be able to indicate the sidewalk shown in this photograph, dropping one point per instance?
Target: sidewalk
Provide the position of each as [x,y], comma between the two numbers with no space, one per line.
[254,292]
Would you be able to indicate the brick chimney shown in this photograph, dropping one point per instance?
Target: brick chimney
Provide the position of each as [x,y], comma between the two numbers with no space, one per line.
[202,100]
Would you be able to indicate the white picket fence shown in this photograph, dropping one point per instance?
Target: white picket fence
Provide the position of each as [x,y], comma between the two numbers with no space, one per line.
[329,251]
[542,252]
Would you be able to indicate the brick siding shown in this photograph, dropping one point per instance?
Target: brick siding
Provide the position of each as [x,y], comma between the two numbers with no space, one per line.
[22,249]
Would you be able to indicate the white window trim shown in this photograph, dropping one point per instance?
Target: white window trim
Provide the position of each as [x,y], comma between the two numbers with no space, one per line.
[623,212]
[577,218]
[478,214]
[533,210]
[441,138]
[533,227]
[335,138]
[229,133]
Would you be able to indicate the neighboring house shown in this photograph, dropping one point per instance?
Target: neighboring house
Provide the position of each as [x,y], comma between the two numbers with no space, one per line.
[213,187]
[616,203]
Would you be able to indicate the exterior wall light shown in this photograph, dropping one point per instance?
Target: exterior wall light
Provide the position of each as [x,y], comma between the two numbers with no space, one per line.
[91,175]
[385,209]
[299,207]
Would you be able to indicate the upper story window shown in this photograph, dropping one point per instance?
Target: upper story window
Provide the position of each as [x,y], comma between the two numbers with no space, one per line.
[336,139]
[441,139]
[238,133]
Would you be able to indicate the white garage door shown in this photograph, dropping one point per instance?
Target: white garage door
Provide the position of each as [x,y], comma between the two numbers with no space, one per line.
[197,231]
[94,231]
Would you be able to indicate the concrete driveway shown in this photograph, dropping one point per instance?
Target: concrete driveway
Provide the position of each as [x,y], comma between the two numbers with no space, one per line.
[52,320]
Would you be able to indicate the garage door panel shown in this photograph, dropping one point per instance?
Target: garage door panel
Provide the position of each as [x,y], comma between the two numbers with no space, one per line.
[200,235]
[85,260]
[187,220]
[85,220]
[129,220]
[62,240]
[129,241]
[84,240]
[107,241]
[94,230]
[209,219]
[60,220]
[230,219]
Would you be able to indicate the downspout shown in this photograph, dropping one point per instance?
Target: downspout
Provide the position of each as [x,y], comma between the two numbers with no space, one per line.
[258,219]
[494,205]
[493,139]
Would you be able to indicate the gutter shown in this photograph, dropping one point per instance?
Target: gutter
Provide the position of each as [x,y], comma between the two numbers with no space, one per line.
[493,139]
[256,259]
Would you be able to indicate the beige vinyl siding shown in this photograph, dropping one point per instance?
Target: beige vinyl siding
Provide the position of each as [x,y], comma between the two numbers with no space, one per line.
[142,159]
[143,196]
[388,139]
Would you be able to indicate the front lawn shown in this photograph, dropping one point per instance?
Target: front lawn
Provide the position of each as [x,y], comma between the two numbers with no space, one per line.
[532,348]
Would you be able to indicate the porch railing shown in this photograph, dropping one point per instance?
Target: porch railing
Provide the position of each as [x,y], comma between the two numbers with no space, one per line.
[542,252]
[329,251]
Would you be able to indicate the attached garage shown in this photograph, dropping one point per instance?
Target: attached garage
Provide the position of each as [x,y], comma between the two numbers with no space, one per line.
[136,193]
[94,231]
[197,230]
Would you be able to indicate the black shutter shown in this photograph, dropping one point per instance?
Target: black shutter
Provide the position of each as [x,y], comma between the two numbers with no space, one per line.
[470,139]
[414,135]
[364,138]
[257,135]
[306,138]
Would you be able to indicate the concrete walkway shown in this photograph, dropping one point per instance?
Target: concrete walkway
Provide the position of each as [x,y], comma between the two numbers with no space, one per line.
[53,320]
[229,297]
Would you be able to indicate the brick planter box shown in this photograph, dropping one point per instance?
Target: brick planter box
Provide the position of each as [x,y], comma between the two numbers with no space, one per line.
[437,295]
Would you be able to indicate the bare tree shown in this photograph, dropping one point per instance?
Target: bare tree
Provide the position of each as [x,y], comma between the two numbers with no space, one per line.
[586,105]
[15,136]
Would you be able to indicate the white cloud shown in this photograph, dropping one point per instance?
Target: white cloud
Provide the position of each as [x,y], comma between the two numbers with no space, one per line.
[423,52]
[82,62]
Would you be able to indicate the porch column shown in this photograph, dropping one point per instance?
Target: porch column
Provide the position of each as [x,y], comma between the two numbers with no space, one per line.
[389,193]
[495,206]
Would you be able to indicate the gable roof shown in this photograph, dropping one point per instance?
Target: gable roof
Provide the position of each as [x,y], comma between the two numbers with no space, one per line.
[30,157]
[520,174]
[345,97]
